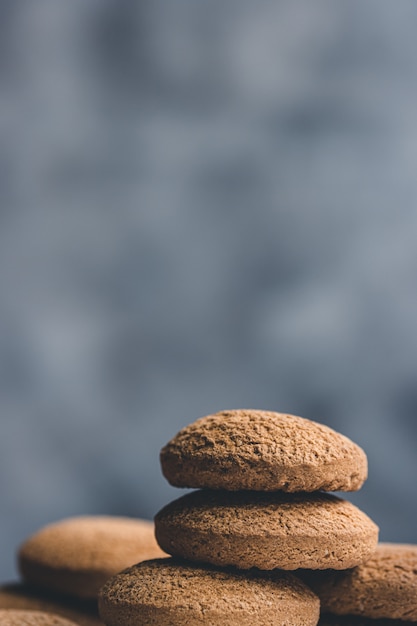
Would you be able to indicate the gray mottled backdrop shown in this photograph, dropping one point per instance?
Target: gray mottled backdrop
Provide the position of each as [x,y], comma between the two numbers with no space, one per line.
[204,205]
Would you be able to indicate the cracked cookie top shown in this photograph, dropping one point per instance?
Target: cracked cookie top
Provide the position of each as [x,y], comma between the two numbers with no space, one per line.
[263,451]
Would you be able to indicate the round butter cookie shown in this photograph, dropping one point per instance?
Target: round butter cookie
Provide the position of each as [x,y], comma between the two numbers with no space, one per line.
[266,530]
[77,555]
[11,617]
[383,587]
[163,592]
[263,451]
[22,596]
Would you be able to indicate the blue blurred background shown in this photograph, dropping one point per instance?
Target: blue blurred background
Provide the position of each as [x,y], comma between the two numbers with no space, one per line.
[204,205]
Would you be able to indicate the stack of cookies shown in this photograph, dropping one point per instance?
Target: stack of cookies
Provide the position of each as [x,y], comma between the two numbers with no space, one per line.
[262,504]
[260,508]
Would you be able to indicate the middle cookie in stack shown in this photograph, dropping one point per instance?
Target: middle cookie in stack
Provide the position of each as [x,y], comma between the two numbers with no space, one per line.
[261,502]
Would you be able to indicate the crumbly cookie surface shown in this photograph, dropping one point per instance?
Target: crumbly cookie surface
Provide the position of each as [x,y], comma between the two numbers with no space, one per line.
[263,451]
[266,530]
[383,587]
[163,592]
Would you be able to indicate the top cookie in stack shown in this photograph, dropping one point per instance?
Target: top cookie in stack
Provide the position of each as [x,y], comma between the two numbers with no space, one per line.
[263,451]
[261,504]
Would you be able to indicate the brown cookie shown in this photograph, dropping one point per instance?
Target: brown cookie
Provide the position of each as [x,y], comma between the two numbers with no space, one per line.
[354,620]
[12,617]
[22,596]
[76,556]
[383,587]
[266,530]
[263,451]
[164,592]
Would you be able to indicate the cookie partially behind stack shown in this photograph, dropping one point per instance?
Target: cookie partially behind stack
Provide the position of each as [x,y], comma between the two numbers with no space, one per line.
[64,564]
[76,556]
[385,587]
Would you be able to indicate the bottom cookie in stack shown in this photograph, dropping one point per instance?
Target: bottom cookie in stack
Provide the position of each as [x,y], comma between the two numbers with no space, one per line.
[162,592]
[385,587]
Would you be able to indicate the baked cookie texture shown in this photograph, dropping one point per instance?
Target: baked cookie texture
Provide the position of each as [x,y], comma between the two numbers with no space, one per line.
[22,596]
[77,555]
[10,617]
[262,451]
[266,530]
[163,592]
[383,587]
[354,620]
